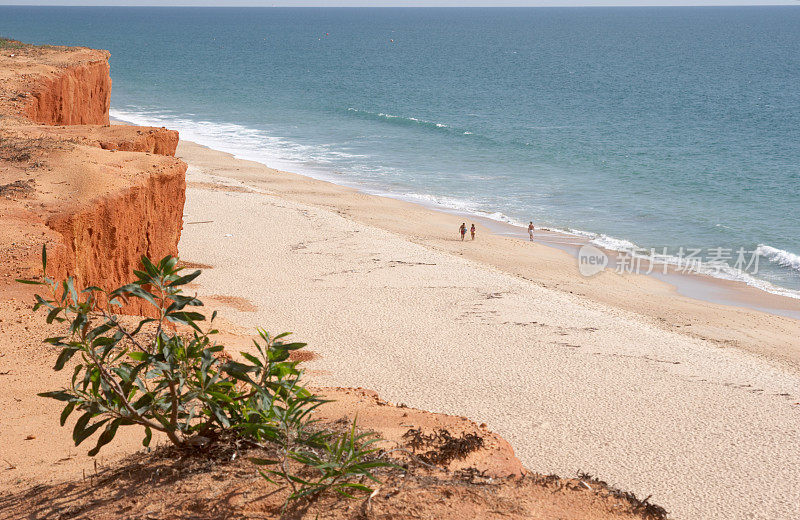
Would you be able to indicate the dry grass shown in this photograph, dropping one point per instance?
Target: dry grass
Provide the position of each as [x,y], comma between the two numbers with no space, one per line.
[8,43]
[12,44]
[441,447]
[27,152]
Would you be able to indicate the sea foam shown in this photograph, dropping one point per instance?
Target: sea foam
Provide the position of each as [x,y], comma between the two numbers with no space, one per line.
[318,161]
[779,256]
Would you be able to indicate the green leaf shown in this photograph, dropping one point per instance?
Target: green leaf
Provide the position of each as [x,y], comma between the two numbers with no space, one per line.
[44,258]
[290,346]
[148,436]
[251,358]
[105,437]
[80,425]
[189,316]
[53,314]
[65,356]
[28,282]
[263,462]
[219,396]
[238,371]
[101,329]
[134,290]
[58,395]
[67,410]
[148,265]
[168,264]
[70,287]
[75,373]
[87,432]
[183,280]
[103,342]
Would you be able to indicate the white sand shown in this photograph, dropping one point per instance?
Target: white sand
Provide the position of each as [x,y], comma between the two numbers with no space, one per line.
[709,432]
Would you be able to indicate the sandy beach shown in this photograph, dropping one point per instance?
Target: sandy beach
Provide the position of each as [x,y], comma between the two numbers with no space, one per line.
[691,402]
[504,382]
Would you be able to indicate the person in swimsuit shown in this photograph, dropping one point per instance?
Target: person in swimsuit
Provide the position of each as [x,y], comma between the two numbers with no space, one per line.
[530,231]
[463,230]
[472,231]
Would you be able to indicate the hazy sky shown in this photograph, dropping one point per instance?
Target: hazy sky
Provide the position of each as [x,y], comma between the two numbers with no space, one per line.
[415,3]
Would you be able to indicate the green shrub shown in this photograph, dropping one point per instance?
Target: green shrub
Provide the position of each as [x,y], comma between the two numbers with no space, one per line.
[151,376]
[334,458]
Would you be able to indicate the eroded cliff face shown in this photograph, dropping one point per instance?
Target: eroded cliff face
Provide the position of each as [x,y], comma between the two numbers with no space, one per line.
[99,196]
[80,95]
[102,242]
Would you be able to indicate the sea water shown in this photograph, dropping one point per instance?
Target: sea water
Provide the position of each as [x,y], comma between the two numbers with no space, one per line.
[674,129]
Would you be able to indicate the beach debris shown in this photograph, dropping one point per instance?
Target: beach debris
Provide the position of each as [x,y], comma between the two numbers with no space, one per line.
[473,475]
[442,447]
[643,507]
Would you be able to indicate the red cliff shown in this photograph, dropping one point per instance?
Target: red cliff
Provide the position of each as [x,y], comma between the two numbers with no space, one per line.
[79,95]
[99,196]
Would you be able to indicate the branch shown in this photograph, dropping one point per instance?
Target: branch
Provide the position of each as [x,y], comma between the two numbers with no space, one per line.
[173,420]
[134,415]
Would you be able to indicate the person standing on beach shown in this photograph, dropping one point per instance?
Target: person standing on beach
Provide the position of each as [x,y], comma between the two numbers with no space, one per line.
[530,231]
[472,231]
[463,230]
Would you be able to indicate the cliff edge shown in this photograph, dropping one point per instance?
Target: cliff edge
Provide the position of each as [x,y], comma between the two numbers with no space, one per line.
[98,196]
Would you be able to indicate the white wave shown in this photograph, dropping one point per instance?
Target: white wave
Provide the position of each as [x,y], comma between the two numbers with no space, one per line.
[316,161]
[411,119]
[581,233]
[714,269]
[614,244]
[459,205]
[440,201]
[779,256]
[502,217]
[244,142]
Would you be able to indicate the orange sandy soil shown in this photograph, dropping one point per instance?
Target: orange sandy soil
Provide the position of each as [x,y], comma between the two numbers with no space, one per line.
[157,486]
[100,196]
[43,476]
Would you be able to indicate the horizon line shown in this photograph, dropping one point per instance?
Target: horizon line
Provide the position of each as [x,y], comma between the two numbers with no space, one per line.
[492,6]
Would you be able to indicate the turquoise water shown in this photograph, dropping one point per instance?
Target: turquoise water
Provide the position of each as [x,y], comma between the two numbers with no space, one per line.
[651,127]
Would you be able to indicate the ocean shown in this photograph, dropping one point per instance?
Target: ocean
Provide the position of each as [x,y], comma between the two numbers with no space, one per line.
[666,129]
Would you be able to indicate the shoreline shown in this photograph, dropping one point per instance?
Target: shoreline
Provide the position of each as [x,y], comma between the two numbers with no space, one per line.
[696,285]
[728,312]
[616,375]
[693,284]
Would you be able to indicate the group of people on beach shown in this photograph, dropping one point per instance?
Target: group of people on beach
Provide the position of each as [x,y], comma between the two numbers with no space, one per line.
[463,230]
